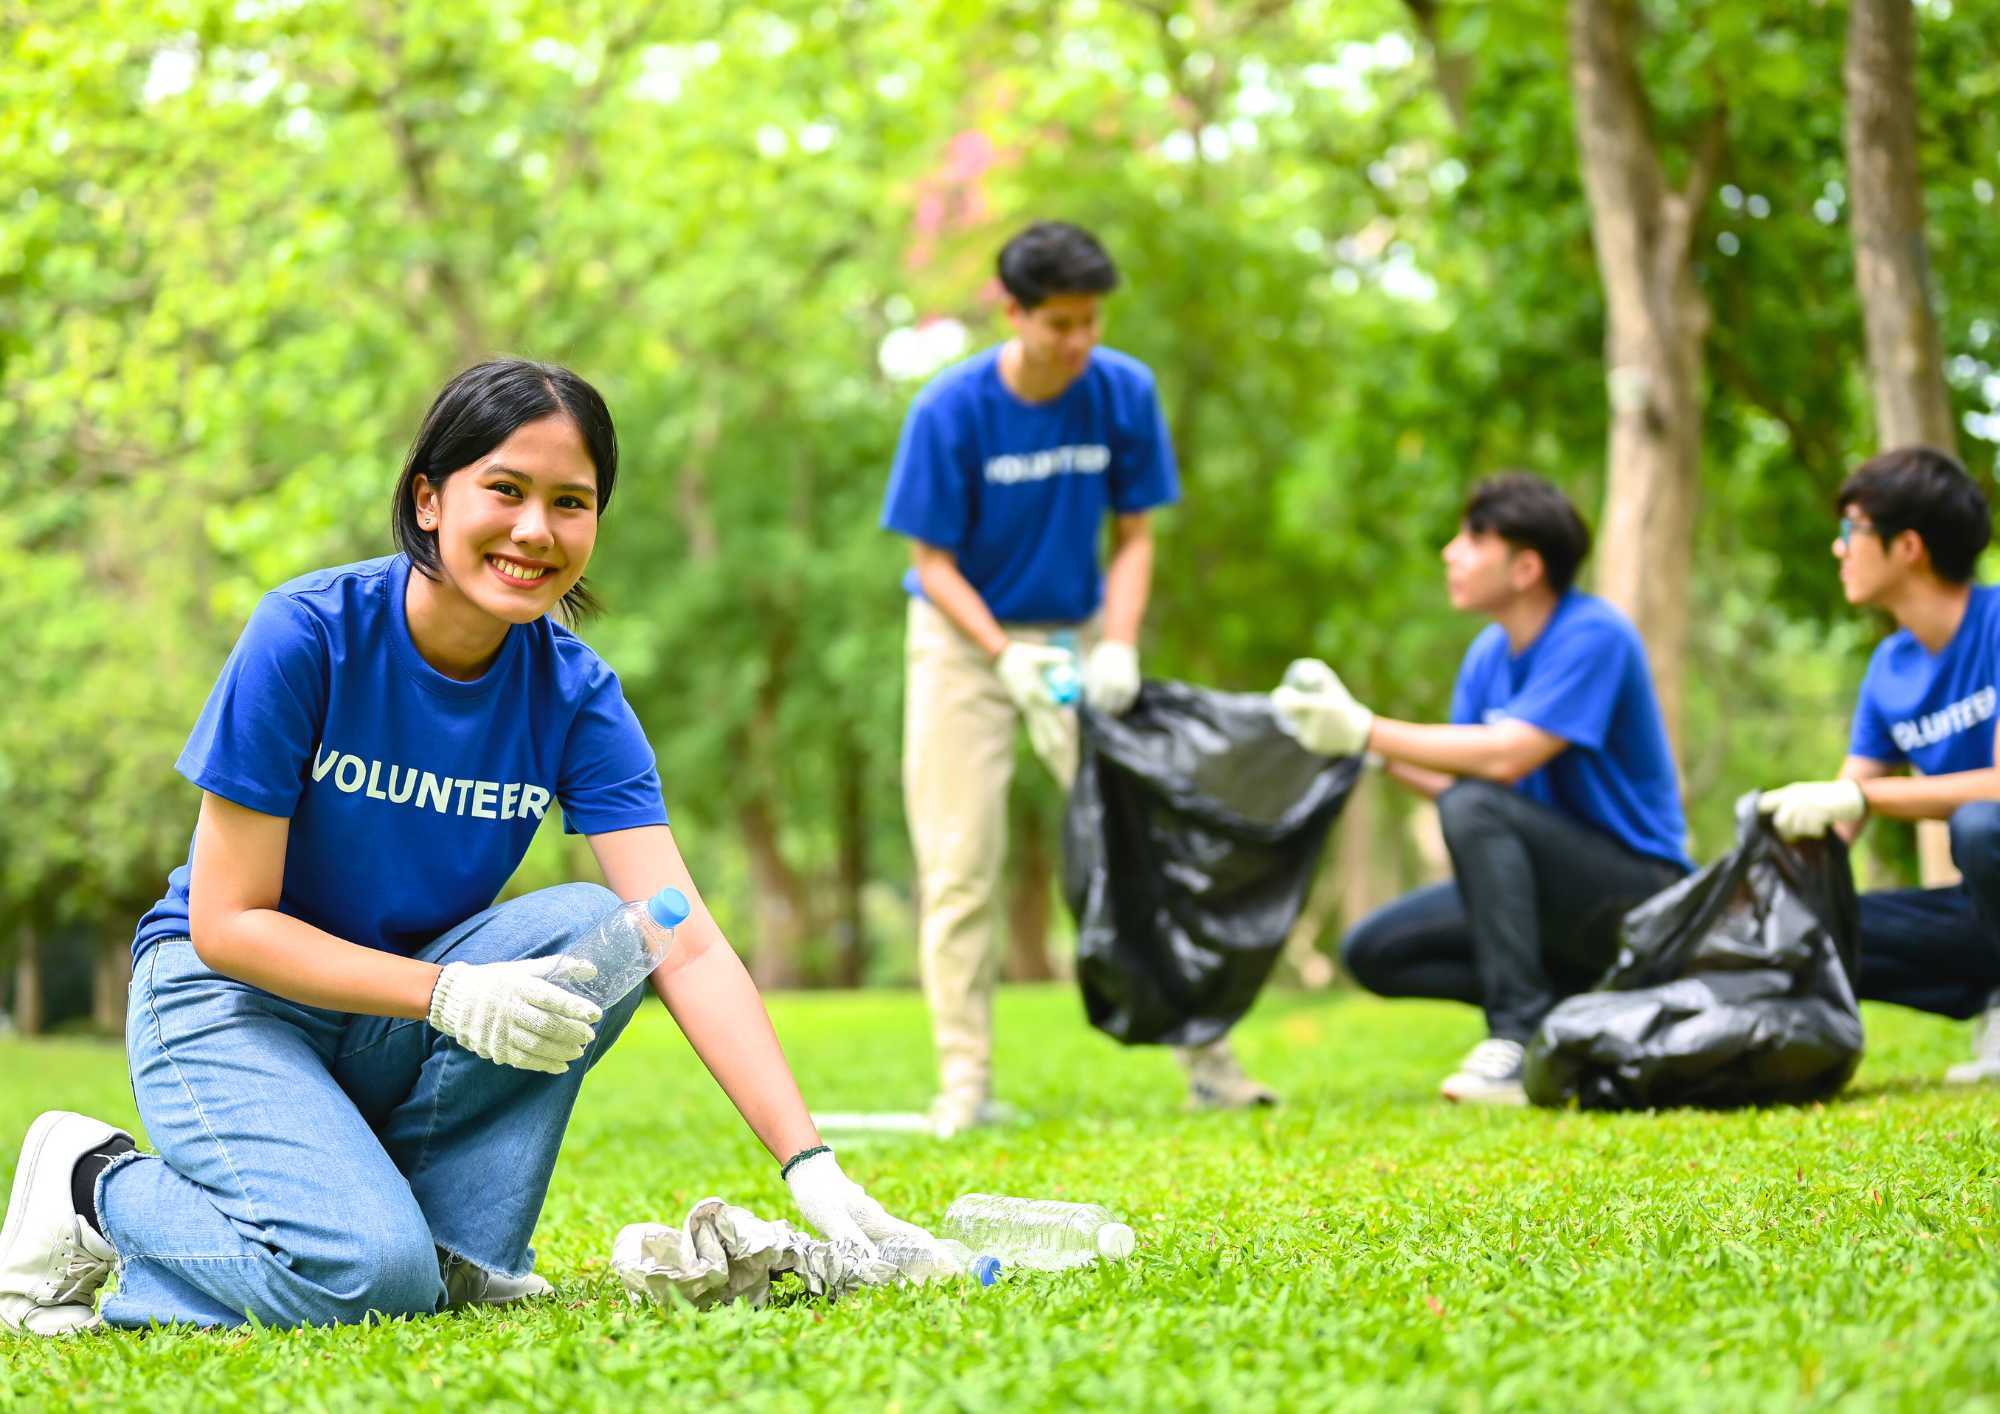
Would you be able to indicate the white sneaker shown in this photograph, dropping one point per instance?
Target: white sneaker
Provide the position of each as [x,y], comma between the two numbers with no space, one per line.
[1490,1074]
[469,1284]
[51,1261]
[1217,1080]
[1984,1067]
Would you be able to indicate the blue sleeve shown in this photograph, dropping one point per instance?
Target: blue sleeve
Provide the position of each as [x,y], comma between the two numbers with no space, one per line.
[1143,474]
[254,741]
[1870,735]
[1572,686]
[929,495]
[608,779]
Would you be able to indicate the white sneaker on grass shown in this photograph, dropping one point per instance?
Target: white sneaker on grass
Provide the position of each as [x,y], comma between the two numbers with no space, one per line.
[469,1284]
[1490,1074]
[1984,1067]
[51,1261]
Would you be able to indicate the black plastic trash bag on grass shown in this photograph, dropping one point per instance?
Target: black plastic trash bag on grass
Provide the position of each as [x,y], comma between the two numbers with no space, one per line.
[1733,987]
[1193,833]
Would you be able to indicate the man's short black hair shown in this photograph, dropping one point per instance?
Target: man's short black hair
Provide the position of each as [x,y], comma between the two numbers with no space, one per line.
[1925,490]
[1531,514]
[1055,258]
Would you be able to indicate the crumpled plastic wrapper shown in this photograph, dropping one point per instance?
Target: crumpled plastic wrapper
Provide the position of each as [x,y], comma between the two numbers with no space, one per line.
[724,1253]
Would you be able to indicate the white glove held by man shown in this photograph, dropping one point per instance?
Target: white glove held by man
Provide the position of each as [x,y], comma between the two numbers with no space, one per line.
[1315,706]
[1023,668]
[1111,677]
[513,1013]
[1805,810]
[838,1207]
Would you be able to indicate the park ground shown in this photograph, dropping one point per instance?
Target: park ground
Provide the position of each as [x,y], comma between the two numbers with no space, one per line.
[1361,1247]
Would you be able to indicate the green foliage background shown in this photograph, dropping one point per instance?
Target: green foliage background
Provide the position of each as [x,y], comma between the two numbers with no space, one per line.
[241,244]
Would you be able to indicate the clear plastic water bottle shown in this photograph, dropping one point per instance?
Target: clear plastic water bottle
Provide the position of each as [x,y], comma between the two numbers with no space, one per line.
[1065,683]
[627,945]
[921,1262]
[1038,1232]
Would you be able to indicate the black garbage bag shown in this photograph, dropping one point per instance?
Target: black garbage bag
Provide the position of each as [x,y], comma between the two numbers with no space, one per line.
[1733,987]
[1193,834]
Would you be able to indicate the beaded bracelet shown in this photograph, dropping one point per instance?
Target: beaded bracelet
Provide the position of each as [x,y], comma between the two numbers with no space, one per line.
[785,1169]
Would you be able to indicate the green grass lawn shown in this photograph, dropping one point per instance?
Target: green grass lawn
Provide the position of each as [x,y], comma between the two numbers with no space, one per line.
[1363,1246]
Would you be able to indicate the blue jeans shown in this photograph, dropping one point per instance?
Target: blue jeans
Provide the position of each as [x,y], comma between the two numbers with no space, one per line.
[311,1163]
[1938,950]
[1531,915]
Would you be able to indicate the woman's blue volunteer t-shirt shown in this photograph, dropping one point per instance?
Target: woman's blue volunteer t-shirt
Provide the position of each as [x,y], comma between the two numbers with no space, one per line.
[1934,710]
[1584,679]
[412,795]
[1018,491]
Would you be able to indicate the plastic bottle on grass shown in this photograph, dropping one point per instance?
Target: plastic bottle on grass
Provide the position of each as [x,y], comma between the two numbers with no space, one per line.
[923,1262]
[1065,683]
[627,945]
[1038,1232]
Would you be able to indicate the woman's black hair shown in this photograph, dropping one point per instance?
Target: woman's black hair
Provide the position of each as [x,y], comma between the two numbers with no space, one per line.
[477,411]
[1925,490]
[1531,514]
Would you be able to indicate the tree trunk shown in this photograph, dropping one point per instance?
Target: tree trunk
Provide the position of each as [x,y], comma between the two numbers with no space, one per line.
[1891,260]
[1030,893]
[28,983]
[852,823]
[109,980]
[1892,269]
[1655,323]
[781,904]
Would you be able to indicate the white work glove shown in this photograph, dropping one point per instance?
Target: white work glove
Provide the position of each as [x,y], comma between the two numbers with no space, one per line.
[1023,669]
[838,1207]
[1316,708]
[1111,676]
[513,1013]
[1805,810]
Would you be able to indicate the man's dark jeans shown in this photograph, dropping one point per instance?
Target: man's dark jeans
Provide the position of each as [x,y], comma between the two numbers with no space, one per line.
[1530,917]
[1938,950]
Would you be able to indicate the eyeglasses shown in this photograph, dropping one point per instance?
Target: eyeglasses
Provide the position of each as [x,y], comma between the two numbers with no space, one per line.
[1849,528]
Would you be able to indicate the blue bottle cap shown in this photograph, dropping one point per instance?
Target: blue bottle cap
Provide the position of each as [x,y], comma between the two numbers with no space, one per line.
[987,1269]
[669,907]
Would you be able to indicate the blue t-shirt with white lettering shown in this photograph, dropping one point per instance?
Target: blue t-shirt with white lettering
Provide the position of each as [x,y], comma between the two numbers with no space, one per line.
[1934,710]
[1585,679]
[412,796]
[1018,491]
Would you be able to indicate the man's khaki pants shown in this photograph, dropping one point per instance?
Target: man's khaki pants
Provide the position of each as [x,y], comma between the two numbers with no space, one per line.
[958,761]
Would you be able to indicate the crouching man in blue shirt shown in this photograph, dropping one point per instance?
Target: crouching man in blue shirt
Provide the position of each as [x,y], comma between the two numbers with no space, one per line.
[1912,524]
[1554,783]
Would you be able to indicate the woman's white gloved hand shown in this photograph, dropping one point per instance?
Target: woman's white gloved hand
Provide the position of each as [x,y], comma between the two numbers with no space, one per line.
[838,1208]
[513,1013]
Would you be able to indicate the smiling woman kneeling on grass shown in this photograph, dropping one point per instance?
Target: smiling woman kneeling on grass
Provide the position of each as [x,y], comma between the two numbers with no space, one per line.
[356,1069]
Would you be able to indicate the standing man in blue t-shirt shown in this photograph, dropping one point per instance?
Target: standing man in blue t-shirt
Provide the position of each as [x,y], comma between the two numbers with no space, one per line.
[1554,783]
[1912,524]
[1008,466]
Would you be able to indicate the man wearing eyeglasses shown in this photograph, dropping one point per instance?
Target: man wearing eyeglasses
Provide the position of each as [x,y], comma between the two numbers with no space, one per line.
[1911,530]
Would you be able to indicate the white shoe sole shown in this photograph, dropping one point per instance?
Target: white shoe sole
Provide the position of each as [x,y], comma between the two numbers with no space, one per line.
[32,1148]
[1511,1095]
